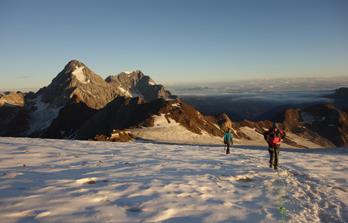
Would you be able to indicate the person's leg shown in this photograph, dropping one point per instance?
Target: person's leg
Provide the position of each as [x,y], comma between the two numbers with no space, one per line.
[270,150]
[228,149]
[276,154]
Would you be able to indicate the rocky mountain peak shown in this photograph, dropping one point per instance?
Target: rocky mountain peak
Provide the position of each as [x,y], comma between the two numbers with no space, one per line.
[135,75]
[77,82]
[125,77]
[73,64]
[137,84]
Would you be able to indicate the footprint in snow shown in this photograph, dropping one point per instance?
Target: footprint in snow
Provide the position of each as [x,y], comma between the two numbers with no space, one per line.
[242,178]
[237,178]
[134,209]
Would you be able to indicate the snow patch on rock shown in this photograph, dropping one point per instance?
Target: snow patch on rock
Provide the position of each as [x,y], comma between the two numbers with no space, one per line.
[127,72]
[80,76]
[151,82]
[43,116]
[136,93]
[177,105]
[124,91]
[89,180]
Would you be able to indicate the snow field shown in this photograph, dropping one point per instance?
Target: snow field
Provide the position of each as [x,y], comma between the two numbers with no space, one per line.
[44,180]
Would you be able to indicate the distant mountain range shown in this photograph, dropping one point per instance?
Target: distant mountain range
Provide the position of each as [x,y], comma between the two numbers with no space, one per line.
[79,104]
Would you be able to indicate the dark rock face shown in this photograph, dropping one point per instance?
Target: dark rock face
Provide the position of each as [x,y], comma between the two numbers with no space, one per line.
[325,125]
[121,113]
[68,121]
[125,113]
[13,121]
[327,121]
[13,116]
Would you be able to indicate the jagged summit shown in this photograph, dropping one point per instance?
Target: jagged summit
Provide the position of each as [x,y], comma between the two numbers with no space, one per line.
[125,75]
[79,71]
[79,83]
[136,83]
[74,63]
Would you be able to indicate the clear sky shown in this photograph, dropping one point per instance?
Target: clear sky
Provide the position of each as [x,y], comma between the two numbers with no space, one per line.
[173,41]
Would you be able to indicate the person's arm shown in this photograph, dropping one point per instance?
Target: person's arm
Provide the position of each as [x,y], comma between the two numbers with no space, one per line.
[283,134]
[265,135]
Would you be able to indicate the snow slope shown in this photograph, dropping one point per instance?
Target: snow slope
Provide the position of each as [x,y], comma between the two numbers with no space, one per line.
[170,131]
[44,180]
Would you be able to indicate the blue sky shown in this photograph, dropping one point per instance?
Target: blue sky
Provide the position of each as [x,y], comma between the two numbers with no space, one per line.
[173,41]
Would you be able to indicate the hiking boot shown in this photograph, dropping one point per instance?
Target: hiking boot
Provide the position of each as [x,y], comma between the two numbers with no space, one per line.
[270,165]
[275,168]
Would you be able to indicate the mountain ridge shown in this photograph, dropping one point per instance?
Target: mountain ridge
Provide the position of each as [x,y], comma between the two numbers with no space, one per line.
[80,104]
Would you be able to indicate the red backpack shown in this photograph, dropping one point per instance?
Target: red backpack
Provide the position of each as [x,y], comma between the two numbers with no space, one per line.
[275,136]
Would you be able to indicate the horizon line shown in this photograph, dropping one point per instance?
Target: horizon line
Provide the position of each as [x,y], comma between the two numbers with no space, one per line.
[195,83]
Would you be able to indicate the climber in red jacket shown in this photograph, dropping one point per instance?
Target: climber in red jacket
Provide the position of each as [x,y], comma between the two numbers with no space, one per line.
[273,137]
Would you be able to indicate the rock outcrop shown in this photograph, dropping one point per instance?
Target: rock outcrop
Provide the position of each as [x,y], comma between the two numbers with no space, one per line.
[224,122]
[12,99]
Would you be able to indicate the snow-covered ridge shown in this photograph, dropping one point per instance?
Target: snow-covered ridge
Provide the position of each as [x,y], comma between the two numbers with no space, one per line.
[127,72]
[44,180]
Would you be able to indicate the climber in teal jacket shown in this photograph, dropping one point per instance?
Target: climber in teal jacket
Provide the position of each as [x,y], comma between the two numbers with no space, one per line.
[228,140]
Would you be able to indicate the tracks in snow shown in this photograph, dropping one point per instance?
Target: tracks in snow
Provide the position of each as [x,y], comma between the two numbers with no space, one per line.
[305,197]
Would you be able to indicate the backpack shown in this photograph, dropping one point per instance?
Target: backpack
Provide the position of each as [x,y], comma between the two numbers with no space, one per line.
[275,137]
[227,138]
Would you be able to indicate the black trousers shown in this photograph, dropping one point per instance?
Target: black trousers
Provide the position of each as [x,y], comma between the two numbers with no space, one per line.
[273,155]
[228,148]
